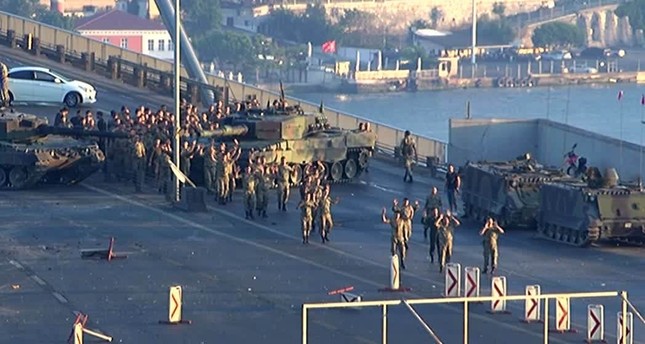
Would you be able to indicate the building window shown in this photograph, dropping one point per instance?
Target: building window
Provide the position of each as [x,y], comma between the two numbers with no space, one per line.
[124,43]
[106,40]
[151,45]
[171,47]
[162,45]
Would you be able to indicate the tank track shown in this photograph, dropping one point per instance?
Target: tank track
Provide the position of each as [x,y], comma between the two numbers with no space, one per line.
[11,177]
[569,236]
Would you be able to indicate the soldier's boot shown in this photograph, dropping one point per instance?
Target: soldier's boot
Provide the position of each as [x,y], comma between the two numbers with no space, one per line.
[403,264]
[492,270]
[432,259]
[440,268]
[246,214]
[411,179]
[251,215]
[485,271]
[304,239]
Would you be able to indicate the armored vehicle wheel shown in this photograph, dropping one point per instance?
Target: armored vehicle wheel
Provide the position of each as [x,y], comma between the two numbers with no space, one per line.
[336,171]
[363,159]
[296,176]
[3,177]
[350,168]
[17,177]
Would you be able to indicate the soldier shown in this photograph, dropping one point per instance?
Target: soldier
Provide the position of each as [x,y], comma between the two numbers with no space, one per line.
[397,242]
[406,211]
[283,173]
[187,153]
[62,118]
[164,169]
[409,152]
[490,232]
[446,224]
[433,201]
[249,180]
[453,183]
[324,210]
[210,160]
[5,100]
[154,162]
[138,163]
[262,188]
[307,207]
[429,219]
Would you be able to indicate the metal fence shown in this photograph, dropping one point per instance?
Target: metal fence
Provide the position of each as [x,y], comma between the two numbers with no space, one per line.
[75,44]
[465,302]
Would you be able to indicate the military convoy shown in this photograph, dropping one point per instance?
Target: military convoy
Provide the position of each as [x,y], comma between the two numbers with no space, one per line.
[33,152]
[300,138]
[561,208]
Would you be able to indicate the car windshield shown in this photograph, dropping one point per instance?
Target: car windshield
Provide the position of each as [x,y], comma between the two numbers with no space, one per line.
[60,76]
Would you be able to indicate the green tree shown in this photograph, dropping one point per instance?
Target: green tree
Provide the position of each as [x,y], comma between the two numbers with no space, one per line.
[558,34]
[200,16]
[498,31]
[499,8]
[436,14]
[311,26]
[354,27]
[635,10]
[228,47]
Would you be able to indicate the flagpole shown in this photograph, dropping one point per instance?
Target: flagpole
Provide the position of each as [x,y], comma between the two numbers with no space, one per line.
[640,175]
[620,99]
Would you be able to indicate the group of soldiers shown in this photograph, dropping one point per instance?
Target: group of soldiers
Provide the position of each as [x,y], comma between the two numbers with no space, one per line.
[438,225]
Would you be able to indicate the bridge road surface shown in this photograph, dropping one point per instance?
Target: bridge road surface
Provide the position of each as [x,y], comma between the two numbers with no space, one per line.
[216,255]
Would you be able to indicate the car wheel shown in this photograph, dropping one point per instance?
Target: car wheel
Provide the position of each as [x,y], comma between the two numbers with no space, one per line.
[72,99]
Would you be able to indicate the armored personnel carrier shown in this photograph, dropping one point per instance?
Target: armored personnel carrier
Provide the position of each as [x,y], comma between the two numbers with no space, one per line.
[508,191]
[300,138]
[33,152]
[579,213]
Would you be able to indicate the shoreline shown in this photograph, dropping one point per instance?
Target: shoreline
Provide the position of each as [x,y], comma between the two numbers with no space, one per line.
[411,85]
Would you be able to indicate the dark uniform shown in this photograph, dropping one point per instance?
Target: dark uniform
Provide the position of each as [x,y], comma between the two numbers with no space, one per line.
[429,222]
[453,182]
[409,153]
[433,201]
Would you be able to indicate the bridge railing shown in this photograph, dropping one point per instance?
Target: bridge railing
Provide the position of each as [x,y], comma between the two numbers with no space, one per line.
[66,46]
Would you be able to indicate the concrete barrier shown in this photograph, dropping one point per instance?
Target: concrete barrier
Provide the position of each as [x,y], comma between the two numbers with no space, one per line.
[49,37]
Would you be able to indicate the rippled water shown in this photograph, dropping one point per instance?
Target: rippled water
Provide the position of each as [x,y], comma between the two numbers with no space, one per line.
[595,108]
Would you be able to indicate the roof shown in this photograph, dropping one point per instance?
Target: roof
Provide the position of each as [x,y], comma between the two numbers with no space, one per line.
[117,20]
[31,68]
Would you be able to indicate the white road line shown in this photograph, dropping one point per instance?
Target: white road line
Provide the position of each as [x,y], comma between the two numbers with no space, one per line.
[38,280]
[16,264]
[299,259]
[59,297]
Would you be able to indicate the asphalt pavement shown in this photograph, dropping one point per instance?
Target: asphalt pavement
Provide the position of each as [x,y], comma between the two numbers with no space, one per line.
[245,281]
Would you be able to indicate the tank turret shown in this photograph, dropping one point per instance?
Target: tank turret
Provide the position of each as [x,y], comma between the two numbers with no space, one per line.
[32,152]
[299,137]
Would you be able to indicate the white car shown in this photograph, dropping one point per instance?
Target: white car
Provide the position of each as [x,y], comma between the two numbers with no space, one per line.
[42,85]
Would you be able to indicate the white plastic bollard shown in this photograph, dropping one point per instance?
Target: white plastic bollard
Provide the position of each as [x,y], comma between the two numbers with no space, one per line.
[595,323]
[532,306]
[453,280]
[562,314]
[629,339]
[395,277]
[471,281]
[498,289]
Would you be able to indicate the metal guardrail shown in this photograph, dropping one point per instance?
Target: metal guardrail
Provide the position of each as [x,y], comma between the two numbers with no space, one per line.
[544,15]
[128,63]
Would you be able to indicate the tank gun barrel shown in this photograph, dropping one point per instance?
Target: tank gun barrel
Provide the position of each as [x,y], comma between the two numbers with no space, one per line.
[225,131]
[49,130]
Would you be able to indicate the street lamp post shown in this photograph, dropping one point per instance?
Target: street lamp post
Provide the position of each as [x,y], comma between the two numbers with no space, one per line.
[474,34]
[177,110]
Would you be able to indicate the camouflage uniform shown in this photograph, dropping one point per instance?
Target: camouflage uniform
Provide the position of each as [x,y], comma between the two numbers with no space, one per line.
[209,169]
[4,86]
[262,190]
[490,233]
[325,220]
[284,172]
[445,229]
[139,163]
[222,177]
[250,185]
[408,151]
[397,240]
[306,217]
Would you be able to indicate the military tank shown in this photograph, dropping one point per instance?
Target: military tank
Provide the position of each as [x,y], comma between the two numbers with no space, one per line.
[508,190]
[32,152]
[299,137]
[580,213]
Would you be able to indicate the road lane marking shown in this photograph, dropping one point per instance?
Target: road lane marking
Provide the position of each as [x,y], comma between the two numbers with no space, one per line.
[38,280]
[294,257]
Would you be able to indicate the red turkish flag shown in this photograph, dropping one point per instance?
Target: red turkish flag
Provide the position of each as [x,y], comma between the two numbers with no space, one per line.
[329,47]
